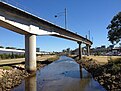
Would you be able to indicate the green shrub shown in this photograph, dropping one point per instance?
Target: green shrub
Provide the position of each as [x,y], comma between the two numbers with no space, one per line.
[11,56]
[116,68]
[6,68]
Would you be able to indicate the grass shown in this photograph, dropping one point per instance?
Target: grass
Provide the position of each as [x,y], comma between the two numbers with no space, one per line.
[112,65]
[103,59]
[6,68]
[53,58]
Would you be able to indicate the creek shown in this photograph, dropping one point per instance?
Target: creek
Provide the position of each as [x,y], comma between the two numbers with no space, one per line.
[62,75]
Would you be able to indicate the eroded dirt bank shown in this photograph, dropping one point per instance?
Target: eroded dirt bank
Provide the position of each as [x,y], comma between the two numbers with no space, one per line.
[107,74]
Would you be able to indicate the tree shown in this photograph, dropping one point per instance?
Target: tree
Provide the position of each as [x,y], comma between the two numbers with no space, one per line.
[10,48]
[114,33]
[68,50]
[1,47]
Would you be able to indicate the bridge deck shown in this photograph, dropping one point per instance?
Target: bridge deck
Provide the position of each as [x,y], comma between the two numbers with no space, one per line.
[18,15]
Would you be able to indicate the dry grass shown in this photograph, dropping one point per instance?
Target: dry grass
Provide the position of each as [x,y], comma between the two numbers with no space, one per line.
[103,59]
[46,57]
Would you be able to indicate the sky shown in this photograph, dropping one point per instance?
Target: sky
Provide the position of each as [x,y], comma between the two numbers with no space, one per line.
[82,16]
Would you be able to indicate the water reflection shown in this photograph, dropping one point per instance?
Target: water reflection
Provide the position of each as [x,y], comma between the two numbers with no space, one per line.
[63,75]
[30,83]
[80,71]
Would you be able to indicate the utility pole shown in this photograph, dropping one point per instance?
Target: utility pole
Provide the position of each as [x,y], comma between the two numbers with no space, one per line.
[86,36]
[65,16]
[89,34]
[92,39]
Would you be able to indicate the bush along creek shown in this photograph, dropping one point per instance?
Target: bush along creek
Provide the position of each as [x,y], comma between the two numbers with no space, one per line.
[108,75]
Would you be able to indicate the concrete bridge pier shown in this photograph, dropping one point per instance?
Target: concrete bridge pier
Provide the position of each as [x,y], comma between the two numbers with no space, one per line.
[30,52]
[80,50]
[88,49]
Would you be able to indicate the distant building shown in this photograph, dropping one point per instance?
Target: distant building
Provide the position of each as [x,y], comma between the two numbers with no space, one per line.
[76,51]
[111,50]
[37,49]
[103,46]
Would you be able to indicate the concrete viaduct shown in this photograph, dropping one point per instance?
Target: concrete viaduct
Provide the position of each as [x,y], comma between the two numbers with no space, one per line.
[31,26]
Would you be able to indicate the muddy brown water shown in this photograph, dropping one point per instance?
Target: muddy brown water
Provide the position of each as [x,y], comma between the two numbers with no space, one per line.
[62,75]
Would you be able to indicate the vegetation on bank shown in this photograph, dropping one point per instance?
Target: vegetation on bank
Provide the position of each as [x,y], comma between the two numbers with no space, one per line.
[48,61]
[11,56]
[114,33]
[56,57]
[108,75]
[6,68]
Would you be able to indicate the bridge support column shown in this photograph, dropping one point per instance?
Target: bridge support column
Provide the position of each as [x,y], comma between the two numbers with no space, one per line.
[88,50]
[30,53]
[80,50]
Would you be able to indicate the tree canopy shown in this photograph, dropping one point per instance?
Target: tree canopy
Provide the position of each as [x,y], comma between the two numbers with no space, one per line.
[114,33]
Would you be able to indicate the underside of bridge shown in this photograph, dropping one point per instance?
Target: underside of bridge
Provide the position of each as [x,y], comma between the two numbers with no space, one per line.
[29,25]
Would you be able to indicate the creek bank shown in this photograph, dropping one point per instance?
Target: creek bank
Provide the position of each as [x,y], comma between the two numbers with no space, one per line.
[13,75]
[11,78]
[108,75]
